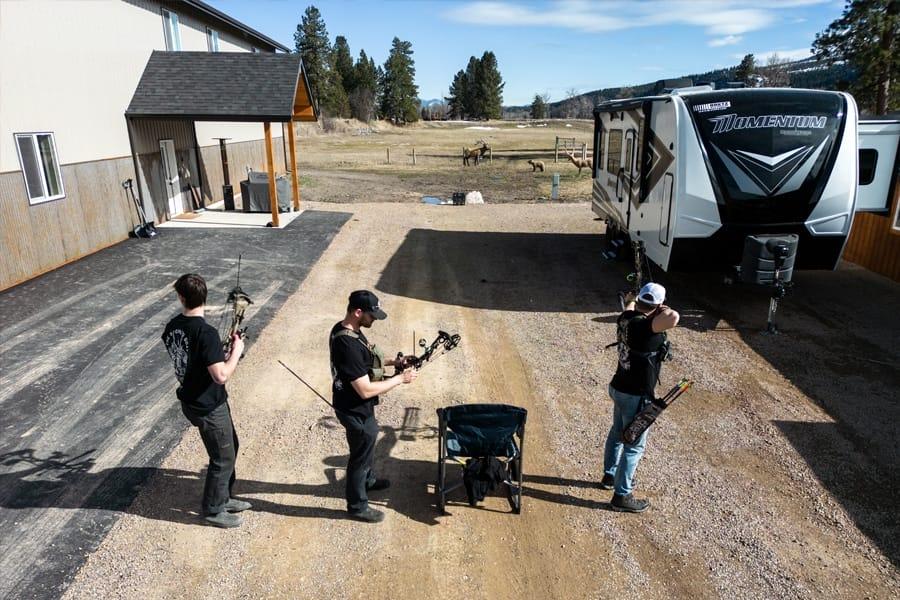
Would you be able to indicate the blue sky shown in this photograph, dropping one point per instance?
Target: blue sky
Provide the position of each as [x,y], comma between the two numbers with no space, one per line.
[554,46]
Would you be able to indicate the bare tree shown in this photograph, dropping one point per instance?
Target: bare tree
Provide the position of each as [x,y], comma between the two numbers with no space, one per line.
[776,72]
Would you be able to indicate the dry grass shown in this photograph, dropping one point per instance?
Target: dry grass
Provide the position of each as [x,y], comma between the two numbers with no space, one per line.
[346,166]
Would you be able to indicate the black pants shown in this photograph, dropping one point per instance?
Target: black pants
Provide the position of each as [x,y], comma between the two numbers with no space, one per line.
[220,438]
[361,435]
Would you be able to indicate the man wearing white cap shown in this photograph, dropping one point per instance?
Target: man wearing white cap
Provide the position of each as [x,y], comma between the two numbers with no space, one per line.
[642,345]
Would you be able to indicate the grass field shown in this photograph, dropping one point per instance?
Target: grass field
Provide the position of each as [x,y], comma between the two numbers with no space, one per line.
[346,166]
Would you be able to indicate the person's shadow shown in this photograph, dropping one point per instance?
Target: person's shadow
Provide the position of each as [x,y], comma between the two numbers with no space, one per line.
[57,480]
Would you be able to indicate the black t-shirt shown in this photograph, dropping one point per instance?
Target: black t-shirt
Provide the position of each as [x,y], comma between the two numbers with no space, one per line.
[193,345]
[350,360]
[637,374]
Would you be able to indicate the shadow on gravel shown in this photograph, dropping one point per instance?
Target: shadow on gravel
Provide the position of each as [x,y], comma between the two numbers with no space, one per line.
[541,272]
[838,346]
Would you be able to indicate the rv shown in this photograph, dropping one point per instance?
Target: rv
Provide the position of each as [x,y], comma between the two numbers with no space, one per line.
[704,177]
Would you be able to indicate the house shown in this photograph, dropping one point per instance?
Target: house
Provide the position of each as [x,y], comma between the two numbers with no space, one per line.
[93,94]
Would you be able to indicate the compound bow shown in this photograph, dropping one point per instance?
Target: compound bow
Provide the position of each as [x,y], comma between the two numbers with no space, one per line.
[444,342]
[239,301]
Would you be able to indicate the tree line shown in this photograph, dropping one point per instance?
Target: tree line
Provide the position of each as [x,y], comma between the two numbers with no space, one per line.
[361,89]
[477,92]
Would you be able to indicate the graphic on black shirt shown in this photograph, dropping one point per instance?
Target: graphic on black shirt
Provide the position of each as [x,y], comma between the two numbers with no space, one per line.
[177,345]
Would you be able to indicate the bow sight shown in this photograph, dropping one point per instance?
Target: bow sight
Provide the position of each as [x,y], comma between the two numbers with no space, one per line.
[444,341]
[238,300]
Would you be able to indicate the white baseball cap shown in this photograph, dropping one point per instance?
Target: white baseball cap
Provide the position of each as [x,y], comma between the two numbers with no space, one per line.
[652,293]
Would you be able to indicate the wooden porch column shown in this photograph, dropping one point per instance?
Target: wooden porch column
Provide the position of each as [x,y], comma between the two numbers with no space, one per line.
[270,165]
[295,177]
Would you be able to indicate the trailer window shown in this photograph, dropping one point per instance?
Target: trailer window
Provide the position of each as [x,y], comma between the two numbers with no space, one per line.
[629,148]
[868,158]
[614,151]
[598,150]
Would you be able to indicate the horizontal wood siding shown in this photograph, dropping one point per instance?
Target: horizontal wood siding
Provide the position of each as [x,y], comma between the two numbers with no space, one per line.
[95,213]
[872,245]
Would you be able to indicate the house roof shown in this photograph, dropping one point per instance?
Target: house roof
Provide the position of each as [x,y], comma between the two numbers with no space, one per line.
[223,86]
[249,32]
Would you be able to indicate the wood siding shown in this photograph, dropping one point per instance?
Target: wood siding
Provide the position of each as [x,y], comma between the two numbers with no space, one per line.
[240,156]
[871,243]
[95,213]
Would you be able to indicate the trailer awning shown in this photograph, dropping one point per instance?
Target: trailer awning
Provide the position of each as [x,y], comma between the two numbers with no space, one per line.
[223,86]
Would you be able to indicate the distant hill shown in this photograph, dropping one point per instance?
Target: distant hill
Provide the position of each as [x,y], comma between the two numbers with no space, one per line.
[806,73]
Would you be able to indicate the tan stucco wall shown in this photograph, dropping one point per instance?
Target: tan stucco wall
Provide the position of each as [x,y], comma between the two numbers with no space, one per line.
[72,67]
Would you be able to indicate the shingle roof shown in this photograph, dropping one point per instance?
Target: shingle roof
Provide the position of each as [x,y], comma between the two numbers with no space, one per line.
[218,86]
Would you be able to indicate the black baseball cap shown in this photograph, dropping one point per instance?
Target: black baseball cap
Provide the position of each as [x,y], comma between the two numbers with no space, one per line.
[366,301]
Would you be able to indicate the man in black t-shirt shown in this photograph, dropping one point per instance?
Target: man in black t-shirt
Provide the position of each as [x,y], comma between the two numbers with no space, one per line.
[642,345]
[357,380]
[202,368]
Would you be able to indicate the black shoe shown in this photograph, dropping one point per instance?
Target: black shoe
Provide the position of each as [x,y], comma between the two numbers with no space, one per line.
[608,482]
[378,484]
[629,504]
[369,515]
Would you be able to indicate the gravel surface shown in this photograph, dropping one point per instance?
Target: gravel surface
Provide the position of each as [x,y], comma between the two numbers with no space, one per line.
[775,476]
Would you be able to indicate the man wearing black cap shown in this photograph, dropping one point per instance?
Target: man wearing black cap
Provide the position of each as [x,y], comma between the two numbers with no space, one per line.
[357,373]
[642,347]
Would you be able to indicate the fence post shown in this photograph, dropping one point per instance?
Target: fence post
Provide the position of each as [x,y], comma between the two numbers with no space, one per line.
[414,156]
[389,155]
[583,151]
[490,156]
[556,150]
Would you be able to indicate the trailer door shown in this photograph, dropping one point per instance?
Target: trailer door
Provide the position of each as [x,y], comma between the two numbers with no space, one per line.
[879,142]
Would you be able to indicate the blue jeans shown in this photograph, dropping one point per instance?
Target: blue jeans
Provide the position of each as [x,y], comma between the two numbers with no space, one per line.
[620,460]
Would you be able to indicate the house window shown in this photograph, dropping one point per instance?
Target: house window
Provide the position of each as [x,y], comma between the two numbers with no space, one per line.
[212,39]
[614,151]
[40,166]
[170,29]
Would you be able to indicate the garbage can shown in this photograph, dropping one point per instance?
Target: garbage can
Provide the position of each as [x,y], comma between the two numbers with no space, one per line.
[228,195]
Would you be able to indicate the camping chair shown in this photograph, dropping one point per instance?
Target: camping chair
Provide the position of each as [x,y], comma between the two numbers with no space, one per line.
[478,431]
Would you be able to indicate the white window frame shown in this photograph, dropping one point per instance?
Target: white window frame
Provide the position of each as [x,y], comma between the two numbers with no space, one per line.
[171,31]
[45,197]
[212,39]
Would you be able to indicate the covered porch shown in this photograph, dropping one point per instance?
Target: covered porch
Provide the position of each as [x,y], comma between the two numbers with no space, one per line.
[178,176]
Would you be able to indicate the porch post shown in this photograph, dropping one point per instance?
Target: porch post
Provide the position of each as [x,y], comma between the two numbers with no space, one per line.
[270,164]
[295,177]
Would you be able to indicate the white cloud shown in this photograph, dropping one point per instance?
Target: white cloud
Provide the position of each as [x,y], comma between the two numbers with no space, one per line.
[722,18]
[728,40]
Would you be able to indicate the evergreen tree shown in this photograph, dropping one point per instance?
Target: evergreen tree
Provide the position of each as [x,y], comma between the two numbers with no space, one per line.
[343,63]
[311,42]
[490,87]
[399,100]
[458,92]
[363,97]
[538,107]
[745,69]
[867,36]
[471,102]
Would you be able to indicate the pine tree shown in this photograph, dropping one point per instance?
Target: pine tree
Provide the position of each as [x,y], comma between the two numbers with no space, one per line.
[311,42]
[867,36]
[538,107]
[343,63]
[745,69]
[458,92]
[471,102]
[399,100]
[490,87]
[363,97]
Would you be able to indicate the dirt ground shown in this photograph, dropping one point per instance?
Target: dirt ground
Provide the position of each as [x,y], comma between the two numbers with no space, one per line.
[775,476]
[350,167]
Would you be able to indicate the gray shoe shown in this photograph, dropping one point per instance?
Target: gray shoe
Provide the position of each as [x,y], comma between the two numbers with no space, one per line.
[369,515]
[224,519]
[629,504]
[236,506]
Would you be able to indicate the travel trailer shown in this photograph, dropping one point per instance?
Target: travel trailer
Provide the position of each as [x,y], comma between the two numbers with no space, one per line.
[704,178]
